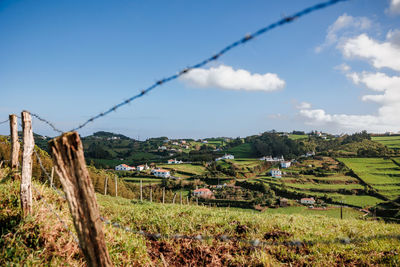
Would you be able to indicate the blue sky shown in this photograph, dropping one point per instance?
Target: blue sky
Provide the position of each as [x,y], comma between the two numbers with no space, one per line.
[69,60]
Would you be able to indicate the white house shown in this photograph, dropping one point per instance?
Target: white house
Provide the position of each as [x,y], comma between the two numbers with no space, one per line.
[124,167]
[174,161]
[285,164]
[226,156]
[142,167]
[276,173]
[271,159]
[161,173]
[308,201]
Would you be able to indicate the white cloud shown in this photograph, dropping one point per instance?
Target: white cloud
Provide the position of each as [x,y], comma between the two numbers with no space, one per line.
[304,105]
[394,7]
[345,25]
[380,54]
[387,117]
[384,87]
[225,77]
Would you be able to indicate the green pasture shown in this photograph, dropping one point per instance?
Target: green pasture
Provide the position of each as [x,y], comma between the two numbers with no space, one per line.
[392,142]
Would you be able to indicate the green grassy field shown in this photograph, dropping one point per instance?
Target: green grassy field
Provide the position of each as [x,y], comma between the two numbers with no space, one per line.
[40,239]
[242,151]
[382,174]
[188,168]
[145,180]
[392,142]
[332,212]
[327,186]
[298,136]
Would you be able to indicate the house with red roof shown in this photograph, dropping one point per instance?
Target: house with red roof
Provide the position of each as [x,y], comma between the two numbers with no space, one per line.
[203,193]
[124,167]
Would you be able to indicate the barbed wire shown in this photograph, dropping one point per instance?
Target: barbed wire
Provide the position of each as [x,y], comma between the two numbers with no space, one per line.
[47,122]
[2,122]
[56,214]
[214,57]
[49,178]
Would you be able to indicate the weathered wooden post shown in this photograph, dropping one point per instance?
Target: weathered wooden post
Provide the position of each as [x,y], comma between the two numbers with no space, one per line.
[141,191]
[26,176]
[51,176]
[68,157]
[163,195]
[14,143]
[116,186]
[105,186]
[151,193]
[187,200]
[173,200]
[181,197]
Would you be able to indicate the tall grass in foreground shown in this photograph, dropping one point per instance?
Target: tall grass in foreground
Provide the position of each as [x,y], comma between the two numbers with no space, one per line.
[41,239]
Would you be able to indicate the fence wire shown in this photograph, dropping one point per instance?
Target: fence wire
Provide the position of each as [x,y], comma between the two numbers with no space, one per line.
[2,122]
[214,57]
[64,224]
[49,178]
[48,123]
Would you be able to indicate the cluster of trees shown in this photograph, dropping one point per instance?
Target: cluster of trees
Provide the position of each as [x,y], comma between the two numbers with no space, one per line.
[275,145]
[255,193]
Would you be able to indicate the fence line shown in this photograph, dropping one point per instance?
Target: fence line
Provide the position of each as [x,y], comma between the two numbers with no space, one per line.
[55,213]
[242,41]
[47,122]
[2,122]
[256,243]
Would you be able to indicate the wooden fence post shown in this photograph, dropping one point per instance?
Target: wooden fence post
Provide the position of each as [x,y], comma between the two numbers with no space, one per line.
[26,176]
[163,195]
[105,186]
[181,197]
[116,186]
[51,176]
[68,157]
[141,191]
[14,143]
[151,194]
[173,200]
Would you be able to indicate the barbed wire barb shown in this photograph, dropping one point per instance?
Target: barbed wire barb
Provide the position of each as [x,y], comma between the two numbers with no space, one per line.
[47,122]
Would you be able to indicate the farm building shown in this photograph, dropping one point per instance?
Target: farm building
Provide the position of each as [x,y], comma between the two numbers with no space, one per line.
[276,173]
[174,161]
[124,167]
[161,173]
[203,193]
[308,201]
[285,164]
[271,159]
[142,167]
[226,156]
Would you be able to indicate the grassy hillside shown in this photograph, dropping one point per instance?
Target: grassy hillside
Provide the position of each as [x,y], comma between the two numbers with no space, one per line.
[392,142]
[242,151]
[301,240]
[382,174]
